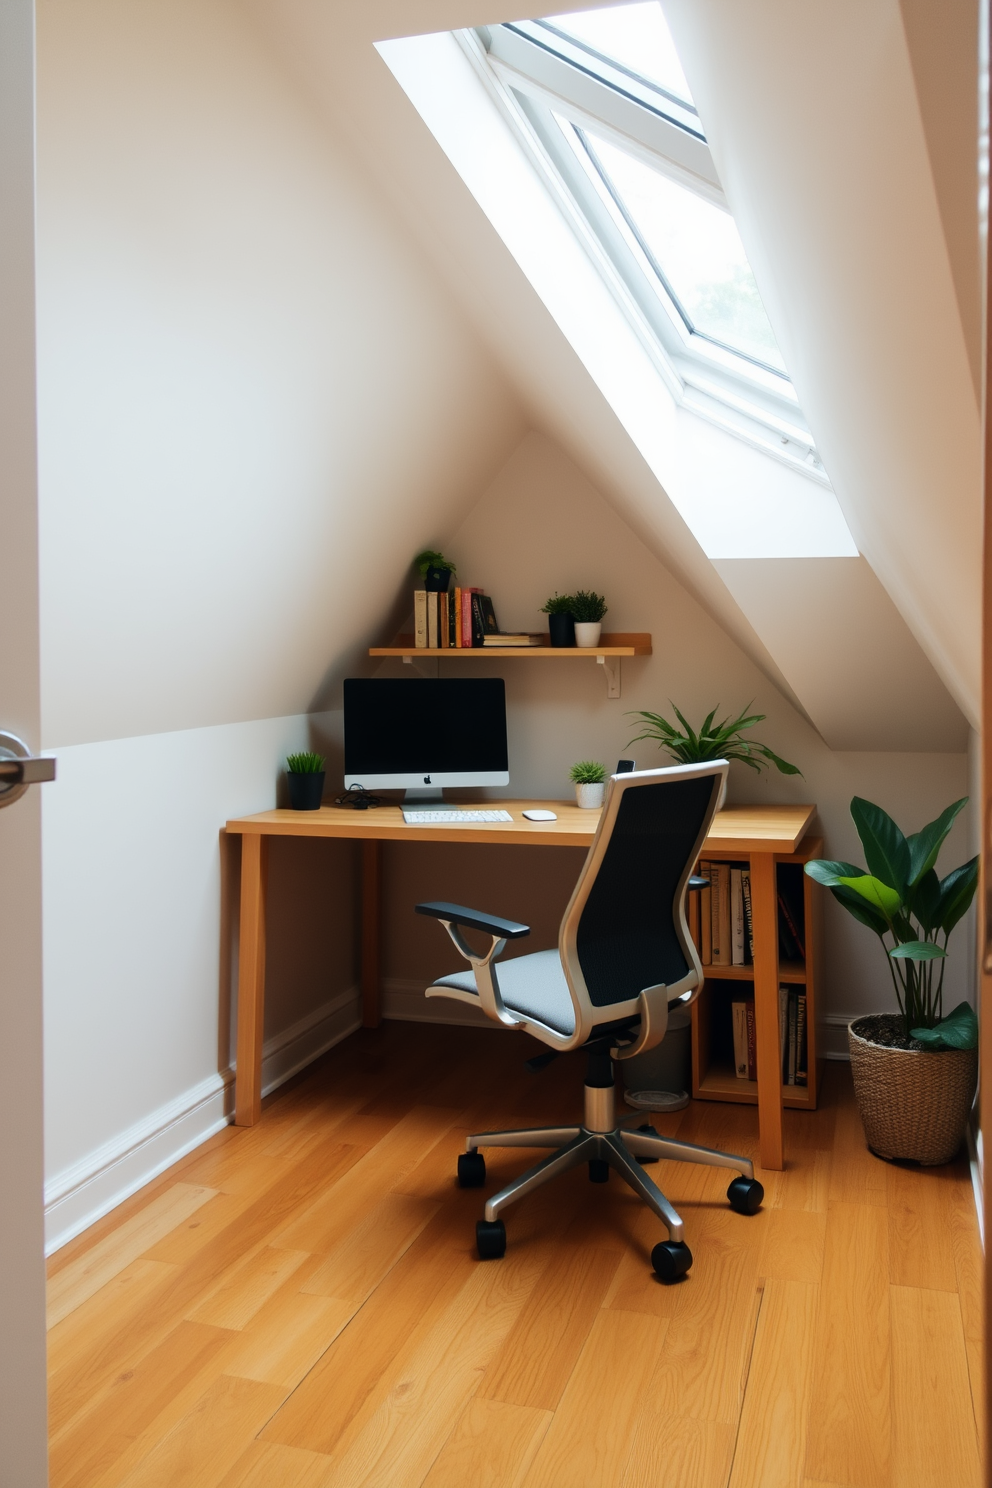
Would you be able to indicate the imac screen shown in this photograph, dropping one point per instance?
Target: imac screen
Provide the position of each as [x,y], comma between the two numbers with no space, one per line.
[447,726]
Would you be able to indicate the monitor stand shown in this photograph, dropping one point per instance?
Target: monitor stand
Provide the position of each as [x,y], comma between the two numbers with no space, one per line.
[430,795]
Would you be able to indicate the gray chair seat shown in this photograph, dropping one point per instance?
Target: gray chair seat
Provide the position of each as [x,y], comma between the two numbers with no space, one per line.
[534,985]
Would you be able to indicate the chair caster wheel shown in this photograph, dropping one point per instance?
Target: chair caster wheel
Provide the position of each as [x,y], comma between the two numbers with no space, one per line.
[671,1259]
[745,1195]
[649,1131]
[599,1171]
[490,1239]
[471,1170]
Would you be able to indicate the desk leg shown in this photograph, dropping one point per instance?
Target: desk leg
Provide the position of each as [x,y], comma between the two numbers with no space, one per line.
[371,931]
[251,979]
[764,909]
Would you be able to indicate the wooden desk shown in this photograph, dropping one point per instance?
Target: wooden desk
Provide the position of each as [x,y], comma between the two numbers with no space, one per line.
[757,832]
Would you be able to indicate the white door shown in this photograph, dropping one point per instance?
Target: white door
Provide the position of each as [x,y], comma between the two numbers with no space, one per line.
[23,1456]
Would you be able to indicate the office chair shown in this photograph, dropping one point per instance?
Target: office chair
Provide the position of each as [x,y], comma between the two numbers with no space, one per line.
[624,960]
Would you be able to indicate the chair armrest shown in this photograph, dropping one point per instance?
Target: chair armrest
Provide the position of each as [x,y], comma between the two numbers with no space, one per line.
[457,914]
[698,883]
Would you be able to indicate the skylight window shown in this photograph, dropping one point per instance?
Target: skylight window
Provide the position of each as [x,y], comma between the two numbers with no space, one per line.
[635,36]
[692,248]
[601,97]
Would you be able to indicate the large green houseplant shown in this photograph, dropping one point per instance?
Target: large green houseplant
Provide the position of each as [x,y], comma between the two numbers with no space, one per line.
[915,1070]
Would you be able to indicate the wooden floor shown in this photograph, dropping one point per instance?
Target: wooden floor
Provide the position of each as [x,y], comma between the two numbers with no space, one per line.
[299,1305]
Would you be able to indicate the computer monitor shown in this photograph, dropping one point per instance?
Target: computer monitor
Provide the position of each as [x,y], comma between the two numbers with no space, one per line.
[424,734]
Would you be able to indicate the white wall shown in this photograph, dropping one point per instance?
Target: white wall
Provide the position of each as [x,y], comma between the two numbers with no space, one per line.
[542,526]
[255,403]
[23,1399]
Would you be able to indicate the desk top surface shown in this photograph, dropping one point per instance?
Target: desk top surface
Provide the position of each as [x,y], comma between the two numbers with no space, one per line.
[736,829]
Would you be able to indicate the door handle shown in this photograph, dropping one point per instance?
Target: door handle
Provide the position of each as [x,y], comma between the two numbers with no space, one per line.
[19,769]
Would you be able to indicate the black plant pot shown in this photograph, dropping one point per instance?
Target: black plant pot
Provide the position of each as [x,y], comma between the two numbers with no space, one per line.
[562,630]
[437,580]
[305,791]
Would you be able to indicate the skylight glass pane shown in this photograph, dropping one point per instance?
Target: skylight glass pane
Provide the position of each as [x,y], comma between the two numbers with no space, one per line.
[697,249]
[636,36]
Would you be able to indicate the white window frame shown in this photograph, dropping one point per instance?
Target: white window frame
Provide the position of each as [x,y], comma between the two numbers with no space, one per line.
[532,84]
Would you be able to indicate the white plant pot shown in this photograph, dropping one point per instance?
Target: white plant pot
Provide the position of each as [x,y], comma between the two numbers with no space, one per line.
[590,796]
[587,632]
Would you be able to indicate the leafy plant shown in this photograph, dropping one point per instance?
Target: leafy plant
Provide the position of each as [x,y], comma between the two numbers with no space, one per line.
[711,741]
[431,559]
[558,604]
[900,895]
[588,772]
[305,763]
[588,606]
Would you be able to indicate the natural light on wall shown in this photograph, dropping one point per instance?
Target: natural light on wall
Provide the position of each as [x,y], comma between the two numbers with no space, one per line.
[579,139]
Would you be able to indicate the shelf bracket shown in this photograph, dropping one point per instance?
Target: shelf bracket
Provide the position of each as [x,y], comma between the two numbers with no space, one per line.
[611,664]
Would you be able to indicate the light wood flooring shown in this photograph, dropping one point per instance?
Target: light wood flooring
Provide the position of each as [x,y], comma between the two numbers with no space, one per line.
[299,1305]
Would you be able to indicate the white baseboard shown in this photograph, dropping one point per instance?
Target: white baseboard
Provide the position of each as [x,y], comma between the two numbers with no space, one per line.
[83,1193]
[403,999]
[832,1035]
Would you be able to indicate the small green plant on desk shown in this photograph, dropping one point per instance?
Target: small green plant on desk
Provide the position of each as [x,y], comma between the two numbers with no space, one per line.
[711,741]
[305,778]
[589,779]
[588,772]
[305,763]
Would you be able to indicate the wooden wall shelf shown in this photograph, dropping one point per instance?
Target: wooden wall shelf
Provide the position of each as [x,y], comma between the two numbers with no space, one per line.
[614,645]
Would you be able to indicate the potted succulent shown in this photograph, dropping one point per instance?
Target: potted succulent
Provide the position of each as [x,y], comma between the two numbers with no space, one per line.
[561,621]
[589,779]
[305,776]
[588,608]
[915,1071]
[435,570]
[711,741]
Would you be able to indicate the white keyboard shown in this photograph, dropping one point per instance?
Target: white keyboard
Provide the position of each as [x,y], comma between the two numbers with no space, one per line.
[418,818]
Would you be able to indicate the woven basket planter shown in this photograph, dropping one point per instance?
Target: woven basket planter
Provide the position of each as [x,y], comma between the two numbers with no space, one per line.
[914,1103]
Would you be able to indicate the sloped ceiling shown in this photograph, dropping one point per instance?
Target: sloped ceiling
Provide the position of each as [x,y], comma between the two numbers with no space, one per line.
[828,172]
[894,412]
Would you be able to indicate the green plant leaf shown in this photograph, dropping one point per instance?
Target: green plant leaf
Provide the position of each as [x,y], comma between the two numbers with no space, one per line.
[781,765]
[923,900]
[588,772]
[829,871]
[305,763]
[862,911]
[918,950]
[959,1030]
[956,893]
[886,849]
[924,846]
[875,892]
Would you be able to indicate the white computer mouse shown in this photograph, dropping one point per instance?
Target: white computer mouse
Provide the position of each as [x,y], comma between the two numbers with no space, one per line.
[541,815]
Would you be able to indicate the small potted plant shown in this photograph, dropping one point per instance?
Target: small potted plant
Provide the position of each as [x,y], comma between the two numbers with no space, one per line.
[305,777]
[711,741]
[914,1071]
[589,778]
[588,607]
[435,570]
[561,621]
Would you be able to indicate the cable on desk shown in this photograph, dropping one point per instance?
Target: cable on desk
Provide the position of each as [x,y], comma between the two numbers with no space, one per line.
[358,798]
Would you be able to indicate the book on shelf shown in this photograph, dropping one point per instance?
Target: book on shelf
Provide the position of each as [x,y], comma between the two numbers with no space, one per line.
[791,930]
[513,638]
[737,957]
[692,916]
[420,618]
[720,913]
[793,1035]
[706,918]
[748,920]
[745,1048]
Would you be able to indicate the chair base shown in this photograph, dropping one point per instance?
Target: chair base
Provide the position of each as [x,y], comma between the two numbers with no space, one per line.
[599,1139]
